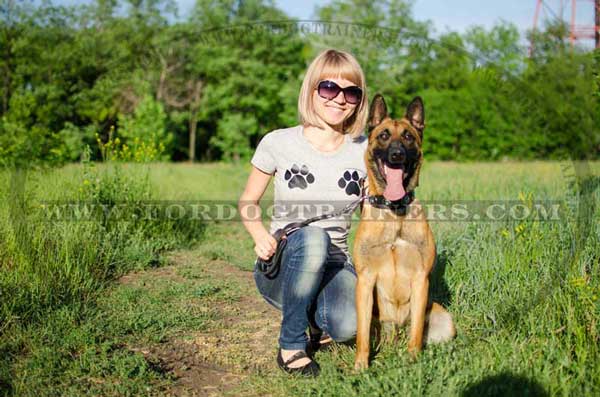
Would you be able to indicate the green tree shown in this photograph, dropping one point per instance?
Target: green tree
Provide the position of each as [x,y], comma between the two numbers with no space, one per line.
[251,74]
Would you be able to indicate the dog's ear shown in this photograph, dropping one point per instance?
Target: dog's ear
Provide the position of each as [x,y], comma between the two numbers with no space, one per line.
[377,112]
[415,114]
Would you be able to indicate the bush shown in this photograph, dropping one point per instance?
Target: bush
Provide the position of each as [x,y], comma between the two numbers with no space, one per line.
[144,133]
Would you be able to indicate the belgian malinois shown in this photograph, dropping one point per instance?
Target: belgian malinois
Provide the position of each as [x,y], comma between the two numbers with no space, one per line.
[394,249]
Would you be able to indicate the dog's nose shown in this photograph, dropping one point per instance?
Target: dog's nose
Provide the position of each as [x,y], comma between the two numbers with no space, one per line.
[396,155]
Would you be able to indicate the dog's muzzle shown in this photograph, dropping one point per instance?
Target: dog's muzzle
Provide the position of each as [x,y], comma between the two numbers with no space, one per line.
[396,154]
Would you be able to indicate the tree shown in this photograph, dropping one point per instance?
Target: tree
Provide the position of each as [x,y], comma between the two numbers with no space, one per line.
[250,72]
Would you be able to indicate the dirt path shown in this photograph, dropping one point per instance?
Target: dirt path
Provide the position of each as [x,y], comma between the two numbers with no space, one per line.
[239,341]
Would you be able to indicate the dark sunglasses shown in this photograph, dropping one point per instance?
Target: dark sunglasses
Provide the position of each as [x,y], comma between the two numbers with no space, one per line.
[329,90]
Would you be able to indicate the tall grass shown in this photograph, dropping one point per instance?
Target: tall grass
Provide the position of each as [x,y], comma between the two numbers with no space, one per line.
[46,265]
[49,263]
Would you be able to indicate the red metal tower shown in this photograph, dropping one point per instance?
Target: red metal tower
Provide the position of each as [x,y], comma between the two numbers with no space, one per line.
[576,31]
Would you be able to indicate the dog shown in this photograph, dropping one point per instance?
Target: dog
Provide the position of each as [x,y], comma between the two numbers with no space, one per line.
[394,248]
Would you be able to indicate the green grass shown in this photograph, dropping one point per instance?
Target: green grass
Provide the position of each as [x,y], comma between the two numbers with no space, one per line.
[95,350]
[524,295]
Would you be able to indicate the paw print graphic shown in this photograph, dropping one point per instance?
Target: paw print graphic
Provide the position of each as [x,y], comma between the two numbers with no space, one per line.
[299,177]
[350,183]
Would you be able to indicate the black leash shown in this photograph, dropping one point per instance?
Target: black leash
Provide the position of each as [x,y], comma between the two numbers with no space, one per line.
[292,227]
[270,267]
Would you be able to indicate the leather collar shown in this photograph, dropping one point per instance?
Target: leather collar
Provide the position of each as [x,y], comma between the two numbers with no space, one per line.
[399,207]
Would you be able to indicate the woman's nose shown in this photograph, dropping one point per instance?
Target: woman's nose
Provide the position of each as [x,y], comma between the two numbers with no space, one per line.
[340,98]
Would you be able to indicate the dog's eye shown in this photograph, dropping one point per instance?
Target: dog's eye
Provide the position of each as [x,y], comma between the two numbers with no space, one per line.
[384,136]
[408,136]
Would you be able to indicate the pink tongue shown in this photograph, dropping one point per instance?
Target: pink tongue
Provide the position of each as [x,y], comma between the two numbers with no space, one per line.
[394,190]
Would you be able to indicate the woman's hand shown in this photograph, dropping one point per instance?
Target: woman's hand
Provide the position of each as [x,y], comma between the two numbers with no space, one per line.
[265,245]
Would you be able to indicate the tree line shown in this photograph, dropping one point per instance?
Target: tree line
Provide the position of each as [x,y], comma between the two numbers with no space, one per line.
[148,84]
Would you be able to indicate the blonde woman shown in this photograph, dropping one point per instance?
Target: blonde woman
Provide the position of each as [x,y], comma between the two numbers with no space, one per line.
[316,167]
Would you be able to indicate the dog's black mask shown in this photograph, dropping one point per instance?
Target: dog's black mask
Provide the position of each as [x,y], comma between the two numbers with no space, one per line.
[397,156]
[394,154]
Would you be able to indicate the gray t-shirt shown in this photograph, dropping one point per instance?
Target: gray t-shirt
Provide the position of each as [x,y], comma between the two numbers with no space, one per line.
[309,182]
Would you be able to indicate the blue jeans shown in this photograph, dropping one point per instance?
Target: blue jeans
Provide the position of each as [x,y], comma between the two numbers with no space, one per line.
[311,288]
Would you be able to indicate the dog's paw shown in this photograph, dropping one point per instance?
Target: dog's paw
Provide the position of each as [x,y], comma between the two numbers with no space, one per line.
[413,352]
[299,177]
[361,363]
[350,183]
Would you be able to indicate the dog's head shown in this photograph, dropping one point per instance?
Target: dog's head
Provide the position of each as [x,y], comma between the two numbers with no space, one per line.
[394,154]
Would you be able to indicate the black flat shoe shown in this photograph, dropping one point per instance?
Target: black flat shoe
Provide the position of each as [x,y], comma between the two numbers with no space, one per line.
[310,369]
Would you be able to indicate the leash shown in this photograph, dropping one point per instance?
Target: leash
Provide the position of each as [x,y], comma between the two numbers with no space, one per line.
[270,267]
[398,206]
[292,227]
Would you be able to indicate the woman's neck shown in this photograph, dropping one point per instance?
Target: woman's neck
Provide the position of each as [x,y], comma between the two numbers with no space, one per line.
[325,140]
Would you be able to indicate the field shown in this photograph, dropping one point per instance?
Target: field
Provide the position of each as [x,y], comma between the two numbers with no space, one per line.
[168,306]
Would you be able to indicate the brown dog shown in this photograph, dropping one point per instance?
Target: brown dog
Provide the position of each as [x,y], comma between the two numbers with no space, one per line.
[394,249]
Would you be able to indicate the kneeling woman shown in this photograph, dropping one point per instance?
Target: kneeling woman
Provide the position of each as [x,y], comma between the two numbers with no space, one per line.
[316,167]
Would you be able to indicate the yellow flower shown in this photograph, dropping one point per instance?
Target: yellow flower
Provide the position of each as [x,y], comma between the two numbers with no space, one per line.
[520,228]
[578,282]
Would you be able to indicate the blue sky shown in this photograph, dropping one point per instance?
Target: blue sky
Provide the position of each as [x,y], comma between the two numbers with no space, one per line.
[460,14]
[445,14]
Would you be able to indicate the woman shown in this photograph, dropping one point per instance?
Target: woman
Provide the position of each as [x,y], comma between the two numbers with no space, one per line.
[316,167]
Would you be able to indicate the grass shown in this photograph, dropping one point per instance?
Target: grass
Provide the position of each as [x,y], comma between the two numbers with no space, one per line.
[97,350]
[524,295]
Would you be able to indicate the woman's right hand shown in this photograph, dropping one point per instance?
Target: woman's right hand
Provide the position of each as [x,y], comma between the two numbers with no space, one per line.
[265,245]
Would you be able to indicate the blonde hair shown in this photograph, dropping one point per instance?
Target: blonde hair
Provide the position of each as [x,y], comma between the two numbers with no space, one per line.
[333,64]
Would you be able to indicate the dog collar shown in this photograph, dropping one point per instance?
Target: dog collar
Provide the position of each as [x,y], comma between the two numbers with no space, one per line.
[398,206]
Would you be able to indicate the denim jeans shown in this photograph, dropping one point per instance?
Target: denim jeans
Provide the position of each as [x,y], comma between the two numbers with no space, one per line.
[311,288]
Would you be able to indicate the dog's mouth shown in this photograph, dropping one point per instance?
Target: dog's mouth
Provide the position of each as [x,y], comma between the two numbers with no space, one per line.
[394,180]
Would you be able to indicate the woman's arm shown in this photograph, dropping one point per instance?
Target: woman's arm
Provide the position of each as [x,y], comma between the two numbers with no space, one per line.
[250,213]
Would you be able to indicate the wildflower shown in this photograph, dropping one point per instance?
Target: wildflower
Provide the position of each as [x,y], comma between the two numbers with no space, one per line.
[520,228]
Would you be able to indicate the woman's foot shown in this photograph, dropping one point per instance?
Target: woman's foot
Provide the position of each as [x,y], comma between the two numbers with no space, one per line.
[297,361]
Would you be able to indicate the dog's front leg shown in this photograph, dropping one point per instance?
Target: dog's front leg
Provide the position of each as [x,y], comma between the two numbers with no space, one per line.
[364,311]
[418,306]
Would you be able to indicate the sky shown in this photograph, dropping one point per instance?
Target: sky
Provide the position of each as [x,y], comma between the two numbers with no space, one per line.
[456,15]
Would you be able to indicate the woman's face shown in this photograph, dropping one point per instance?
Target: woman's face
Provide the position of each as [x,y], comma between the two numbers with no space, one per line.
[334,111]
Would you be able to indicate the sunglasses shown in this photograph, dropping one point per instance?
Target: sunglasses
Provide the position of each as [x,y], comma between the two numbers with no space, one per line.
[329,90]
